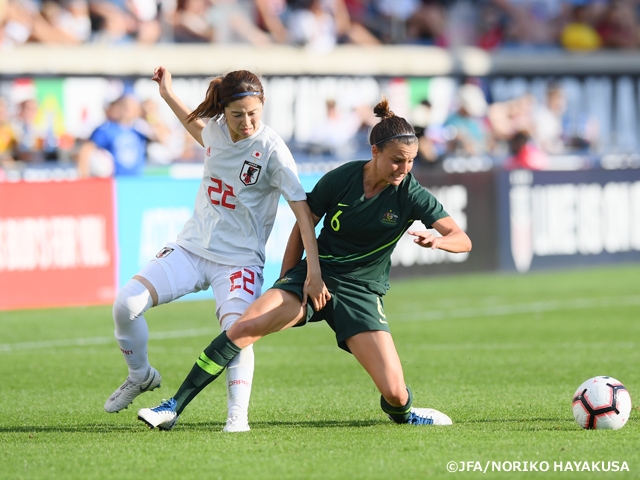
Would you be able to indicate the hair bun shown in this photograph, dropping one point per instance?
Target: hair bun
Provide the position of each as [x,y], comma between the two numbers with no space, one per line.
[381,110]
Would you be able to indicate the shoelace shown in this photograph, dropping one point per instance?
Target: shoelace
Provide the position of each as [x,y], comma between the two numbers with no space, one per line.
[165,406]
[416,419]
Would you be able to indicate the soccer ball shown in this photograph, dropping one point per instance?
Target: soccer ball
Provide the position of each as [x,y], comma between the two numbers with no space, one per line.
[601,403]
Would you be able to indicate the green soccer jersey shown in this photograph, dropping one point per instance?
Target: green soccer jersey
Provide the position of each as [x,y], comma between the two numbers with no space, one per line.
[359,234]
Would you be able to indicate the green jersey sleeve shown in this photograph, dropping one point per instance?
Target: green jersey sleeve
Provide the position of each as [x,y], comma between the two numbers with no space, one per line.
[322,196]
[426,207]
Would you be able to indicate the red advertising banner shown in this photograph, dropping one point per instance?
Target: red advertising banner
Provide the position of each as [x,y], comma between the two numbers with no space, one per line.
[57,244]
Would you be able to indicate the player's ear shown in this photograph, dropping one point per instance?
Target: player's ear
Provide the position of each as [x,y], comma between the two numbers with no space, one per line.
[375,151]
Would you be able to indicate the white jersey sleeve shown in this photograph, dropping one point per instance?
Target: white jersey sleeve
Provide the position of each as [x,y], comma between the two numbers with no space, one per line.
[283,173]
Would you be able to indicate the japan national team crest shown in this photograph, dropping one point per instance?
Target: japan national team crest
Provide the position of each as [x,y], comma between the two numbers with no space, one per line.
[250,173]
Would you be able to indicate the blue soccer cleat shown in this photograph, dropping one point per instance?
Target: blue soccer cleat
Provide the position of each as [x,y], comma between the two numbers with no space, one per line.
[163,416]
[428,416]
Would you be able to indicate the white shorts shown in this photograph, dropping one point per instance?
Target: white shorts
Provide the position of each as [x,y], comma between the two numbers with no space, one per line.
[176,272]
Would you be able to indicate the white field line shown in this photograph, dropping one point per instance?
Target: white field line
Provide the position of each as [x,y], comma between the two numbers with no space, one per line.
[522,308]
[554,347]
[81,342]
[429,315]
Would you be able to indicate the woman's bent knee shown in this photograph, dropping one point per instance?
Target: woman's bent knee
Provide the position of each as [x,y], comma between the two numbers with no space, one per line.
[132,300]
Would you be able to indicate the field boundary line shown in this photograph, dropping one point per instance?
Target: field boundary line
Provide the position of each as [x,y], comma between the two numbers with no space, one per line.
[433,315]
[81,342]
[523,308]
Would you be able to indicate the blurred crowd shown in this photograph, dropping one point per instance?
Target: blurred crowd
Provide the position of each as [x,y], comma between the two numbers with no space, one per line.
[131,138]
[522,132]
[321,24]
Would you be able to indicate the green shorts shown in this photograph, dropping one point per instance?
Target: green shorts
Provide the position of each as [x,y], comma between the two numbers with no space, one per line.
[354,308]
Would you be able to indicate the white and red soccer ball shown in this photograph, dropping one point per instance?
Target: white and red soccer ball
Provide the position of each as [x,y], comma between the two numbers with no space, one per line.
[601,403]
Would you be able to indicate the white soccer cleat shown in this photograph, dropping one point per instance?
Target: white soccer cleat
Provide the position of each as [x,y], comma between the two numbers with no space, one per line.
[163,416]
[128,391]
[428,416]
[237,423]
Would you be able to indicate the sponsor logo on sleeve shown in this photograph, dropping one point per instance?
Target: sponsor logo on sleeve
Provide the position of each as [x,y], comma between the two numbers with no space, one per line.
[164,252]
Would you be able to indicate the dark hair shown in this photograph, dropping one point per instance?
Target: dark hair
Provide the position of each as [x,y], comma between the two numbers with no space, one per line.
[390,128]
[225,89]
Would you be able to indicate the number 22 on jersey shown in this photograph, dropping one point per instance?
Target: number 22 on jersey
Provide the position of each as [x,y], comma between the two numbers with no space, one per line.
[219,193]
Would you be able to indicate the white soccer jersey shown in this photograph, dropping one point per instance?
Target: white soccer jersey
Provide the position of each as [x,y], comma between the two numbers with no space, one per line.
[238,197]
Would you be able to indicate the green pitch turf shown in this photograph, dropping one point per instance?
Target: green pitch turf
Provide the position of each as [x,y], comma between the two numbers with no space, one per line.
[501,354]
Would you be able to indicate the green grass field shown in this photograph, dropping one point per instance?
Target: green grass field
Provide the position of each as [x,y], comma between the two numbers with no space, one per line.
[501,354]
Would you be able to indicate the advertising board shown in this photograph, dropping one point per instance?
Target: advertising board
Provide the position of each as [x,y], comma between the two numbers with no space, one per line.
[57,243]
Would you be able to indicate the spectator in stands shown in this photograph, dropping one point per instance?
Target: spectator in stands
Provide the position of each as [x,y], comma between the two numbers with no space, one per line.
[147,17]
[121,140]
[395,14]
[123,21]
[191,151]
[462,24]
[31,137]
[110,23]
[525,154]
[316,24]
[233,22]
[431,140]
[335,133]
[192,23]
[427,24]
[466,128]
[531,23]
[548,131]
[579,32]
[3,17]
[70,17]
[618,25]
[164,144]
[8,139]
[508,119]
[269,14]
[353,31]
[363,14]
[24,23]
[491,27]
[311,25]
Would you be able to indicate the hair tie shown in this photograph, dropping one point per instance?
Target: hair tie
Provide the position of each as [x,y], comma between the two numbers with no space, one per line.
[396,136]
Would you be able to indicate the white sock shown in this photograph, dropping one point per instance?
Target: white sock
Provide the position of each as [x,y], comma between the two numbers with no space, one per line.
[239,379]
[240,370]
[132,332]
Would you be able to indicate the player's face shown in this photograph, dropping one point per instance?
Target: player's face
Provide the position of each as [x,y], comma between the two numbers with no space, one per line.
[243,117]
[395,161]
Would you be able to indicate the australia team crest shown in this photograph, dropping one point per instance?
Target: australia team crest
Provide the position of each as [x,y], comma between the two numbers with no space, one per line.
[389,218]
[250,173]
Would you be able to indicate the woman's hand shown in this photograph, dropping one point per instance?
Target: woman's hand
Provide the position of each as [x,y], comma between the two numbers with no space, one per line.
[315,291]
[162,77]
[453,239]
[425,239]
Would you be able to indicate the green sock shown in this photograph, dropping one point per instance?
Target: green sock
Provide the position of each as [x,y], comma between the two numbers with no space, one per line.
[210,364]
[397,414]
